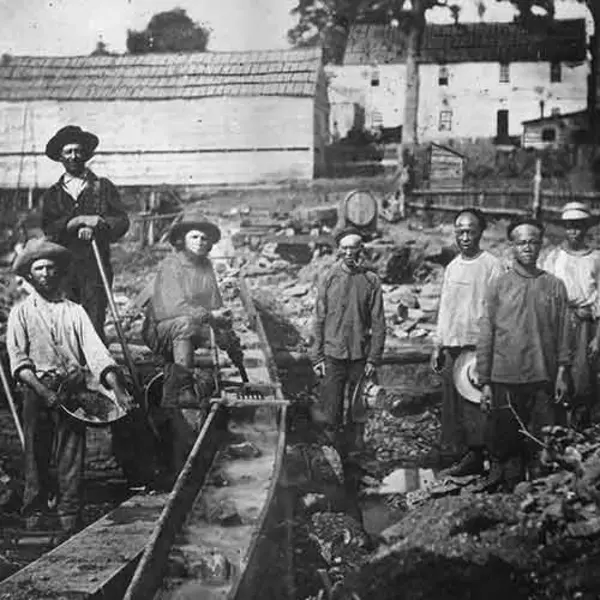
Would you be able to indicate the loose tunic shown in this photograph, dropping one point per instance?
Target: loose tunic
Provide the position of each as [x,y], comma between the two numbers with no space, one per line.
[349,319]
[464,290]
[524,334]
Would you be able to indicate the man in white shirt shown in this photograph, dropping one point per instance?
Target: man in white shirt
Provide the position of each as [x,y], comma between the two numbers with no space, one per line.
[578,266]
[51,339]
[466,282]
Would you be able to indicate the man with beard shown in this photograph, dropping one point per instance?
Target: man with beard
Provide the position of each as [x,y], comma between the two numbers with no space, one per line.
[578,266]
[523,357]
[186,303]
[466,282]
[51,339]
[349,336]
[78,207]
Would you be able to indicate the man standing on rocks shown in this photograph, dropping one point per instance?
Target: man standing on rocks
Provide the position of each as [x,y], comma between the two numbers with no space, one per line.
[349,334]
[523,357]
[578,266]
[78,207]
[49,339]
[467,280]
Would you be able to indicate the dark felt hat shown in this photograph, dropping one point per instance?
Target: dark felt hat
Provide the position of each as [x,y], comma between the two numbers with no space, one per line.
[340,234]
[71,134]
[40,248]
[194,221]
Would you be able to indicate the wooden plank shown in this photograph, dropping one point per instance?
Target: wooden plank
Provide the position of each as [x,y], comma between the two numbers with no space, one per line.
[151,568]
[95,563]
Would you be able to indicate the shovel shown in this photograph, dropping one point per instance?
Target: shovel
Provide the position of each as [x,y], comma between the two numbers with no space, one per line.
[137,389]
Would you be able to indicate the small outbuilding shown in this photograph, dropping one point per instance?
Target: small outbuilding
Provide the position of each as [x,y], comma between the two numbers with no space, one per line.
[445,167]
[556,131]
[177,119]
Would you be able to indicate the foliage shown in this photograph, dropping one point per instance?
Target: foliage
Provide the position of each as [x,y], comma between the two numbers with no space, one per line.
[170,31]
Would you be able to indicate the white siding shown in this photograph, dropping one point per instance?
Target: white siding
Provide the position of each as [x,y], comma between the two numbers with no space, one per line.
[173,141]
[474,94]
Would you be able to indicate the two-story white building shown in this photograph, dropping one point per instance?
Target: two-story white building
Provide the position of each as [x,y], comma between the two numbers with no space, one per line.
[477,80]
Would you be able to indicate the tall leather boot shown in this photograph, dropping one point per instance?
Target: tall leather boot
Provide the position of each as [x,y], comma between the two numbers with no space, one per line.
[183,355]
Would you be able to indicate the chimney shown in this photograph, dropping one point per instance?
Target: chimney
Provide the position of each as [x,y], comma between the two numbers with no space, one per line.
[542,105]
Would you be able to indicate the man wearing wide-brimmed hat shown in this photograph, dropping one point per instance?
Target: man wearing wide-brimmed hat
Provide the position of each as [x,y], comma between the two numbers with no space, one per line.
[78,207]
[51,339]
[578,266]
[185,304]
[349,336]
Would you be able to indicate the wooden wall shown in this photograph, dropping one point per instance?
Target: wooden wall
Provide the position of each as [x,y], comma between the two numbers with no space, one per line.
[193,142]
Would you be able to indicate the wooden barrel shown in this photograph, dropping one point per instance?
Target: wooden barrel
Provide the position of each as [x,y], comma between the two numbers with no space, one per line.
[359,208]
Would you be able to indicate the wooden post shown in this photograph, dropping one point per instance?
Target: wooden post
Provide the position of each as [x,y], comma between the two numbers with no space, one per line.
[537,187]
[152,210]
[30,199]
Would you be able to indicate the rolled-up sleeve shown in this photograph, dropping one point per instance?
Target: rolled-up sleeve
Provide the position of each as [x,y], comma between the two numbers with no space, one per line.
[17,342]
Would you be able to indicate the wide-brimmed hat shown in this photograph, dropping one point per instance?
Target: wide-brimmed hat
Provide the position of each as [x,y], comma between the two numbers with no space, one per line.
[40,248]
[194,221]
[464,376]
[576,211]
[71,134]
[340,234]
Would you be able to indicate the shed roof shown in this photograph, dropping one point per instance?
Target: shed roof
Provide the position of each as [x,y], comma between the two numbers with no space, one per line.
[563,40]
[557,117]
[161,76]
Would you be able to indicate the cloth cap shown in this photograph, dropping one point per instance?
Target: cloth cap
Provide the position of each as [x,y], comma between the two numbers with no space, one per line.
[40,248]
[194,221]
[575,211]
[71,134]
[464,376]
[518,221]
[342,233]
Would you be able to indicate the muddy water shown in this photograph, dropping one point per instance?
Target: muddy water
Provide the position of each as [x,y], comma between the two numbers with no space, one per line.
[248,481]
[376,512]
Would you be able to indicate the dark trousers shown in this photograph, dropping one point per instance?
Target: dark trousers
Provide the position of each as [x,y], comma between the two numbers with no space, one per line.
[339,374]
[535,408]
[52,435]
[463,422]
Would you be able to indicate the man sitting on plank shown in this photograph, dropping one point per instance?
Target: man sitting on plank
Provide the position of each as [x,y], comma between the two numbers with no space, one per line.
[49,340]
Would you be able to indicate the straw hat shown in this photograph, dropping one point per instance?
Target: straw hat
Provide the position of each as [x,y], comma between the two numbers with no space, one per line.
[71,134]
[464,375]
[576,211]
[40,248]
[194,221]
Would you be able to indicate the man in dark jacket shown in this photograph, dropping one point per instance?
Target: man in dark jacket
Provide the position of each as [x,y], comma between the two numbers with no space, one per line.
[78,207]
[349,333]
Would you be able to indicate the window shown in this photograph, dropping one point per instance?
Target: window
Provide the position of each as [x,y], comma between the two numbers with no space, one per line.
[548,134]
[555,72]
[443,75]
[375,77]
[445,120]
[504,72]
[502,125]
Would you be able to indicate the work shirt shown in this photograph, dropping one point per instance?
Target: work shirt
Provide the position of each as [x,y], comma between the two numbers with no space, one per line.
[349,319]
[464,291]
[74,185]
[98,197]
[524,329]
[581,275]
[185,288]
[54,338]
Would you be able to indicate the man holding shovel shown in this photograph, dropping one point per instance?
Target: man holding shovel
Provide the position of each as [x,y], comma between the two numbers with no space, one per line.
[50,340]
[84,213]
[349,335]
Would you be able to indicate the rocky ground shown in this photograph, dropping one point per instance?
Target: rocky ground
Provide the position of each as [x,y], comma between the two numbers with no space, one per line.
[447,541]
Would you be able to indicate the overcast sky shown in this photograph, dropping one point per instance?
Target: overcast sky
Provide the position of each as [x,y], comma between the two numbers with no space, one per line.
[59,27]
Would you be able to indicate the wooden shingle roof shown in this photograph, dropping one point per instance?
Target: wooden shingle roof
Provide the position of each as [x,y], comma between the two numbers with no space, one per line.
[161,76]
[470,42]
